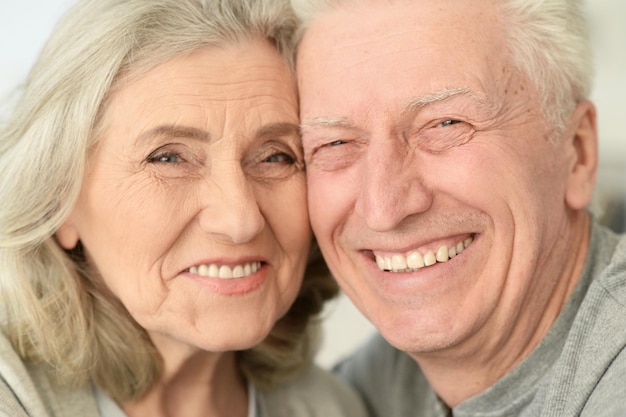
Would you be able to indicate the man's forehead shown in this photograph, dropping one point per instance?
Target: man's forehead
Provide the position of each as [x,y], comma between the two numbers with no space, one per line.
[408,68]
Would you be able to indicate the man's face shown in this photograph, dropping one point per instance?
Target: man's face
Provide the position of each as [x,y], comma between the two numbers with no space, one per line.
[424,146]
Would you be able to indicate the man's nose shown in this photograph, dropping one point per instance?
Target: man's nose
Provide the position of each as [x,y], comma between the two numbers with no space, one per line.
[391,188]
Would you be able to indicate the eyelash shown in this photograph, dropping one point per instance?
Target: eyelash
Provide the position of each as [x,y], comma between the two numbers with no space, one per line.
[289,159]
[158,157]
[445,123]
[163,158]
[449,122]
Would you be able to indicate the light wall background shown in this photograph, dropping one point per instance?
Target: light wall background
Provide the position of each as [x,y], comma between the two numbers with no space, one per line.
[24,26]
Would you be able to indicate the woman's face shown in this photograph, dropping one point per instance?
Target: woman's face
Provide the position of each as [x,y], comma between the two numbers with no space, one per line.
[193,209]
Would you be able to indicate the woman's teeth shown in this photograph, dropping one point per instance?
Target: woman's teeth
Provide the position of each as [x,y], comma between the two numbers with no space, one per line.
[415,260]
[225,271]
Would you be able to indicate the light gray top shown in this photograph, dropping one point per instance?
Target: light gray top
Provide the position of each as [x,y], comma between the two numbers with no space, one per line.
[109,408]
[579,369]
[26,391]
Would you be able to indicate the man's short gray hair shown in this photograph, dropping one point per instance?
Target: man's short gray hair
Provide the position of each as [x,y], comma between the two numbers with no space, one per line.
[548,41]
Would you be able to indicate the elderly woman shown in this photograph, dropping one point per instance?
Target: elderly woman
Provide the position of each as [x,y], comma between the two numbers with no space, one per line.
[154,234]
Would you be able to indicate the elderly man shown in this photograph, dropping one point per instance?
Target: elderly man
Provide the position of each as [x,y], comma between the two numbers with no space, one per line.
[451,153]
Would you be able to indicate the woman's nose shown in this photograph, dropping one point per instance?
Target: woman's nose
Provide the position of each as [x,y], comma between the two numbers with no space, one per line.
[231,212]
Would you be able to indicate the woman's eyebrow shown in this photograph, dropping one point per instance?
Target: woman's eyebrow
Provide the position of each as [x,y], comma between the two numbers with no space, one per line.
[278,129]
[169,130]
[178,131]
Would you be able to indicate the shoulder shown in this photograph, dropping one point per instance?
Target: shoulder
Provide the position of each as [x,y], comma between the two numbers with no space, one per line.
[389,380]
[588,378]
[377,362]
[316,393]
[601,317]
[604,320]
[613,278]
[607,397]
[607,262]
[25,390]
[603,310]
[18,396]
[375,358]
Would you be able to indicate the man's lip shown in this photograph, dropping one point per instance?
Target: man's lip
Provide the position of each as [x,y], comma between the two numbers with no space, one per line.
[431,245]
[437,251]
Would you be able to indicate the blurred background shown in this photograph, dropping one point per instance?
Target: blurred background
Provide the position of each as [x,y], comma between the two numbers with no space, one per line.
[24,26]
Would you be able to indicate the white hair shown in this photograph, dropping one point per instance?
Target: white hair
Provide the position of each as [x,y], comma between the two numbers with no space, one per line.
[548,41]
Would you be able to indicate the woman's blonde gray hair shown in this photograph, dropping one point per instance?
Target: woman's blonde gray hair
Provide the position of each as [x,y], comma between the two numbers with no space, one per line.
[57,314]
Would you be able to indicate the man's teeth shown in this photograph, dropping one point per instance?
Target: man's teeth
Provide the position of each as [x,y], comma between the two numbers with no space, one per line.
[225,271]
[415,260]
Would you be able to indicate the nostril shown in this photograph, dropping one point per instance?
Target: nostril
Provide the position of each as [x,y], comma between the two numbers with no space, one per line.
[234,223]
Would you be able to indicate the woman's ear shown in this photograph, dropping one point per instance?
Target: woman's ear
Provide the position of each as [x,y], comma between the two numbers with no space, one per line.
[584,142]
[67,234]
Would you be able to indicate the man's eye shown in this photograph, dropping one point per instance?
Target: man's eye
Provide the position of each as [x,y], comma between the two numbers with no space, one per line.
[450,122]
[336,143]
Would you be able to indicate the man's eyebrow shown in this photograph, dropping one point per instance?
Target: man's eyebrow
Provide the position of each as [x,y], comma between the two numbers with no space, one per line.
[326,121]
[412,105]
[169,130]
[439,96]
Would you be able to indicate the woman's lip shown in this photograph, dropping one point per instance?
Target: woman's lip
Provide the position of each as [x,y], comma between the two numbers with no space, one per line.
[233,286]
[226,271]
[230,262]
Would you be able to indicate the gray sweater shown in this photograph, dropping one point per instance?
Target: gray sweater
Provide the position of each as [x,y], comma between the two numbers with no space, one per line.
[25,391]
[579,369]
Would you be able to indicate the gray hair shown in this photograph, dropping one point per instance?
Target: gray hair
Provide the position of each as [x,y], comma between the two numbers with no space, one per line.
[57,313]
[548,41]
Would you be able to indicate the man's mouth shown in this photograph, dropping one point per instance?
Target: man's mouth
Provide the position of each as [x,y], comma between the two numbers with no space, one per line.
[416,260]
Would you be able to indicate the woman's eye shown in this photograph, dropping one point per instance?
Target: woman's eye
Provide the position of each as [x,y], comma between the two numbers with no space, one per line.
[280,157]
[175,160]
[165,158]
[272,162]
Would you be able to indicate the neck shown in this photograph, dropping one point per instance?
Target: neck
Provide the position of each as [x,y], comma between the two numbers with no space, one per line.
[467,369]
[194,383]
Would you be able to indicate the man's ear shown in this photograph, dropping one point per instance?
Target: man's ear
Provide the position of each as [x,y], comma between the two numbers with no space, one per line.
[584,142]
[67,235]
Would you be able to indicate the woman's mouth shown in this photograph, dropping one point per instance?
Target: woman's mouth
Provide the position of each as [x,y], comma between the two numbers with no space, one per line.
[225,271]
